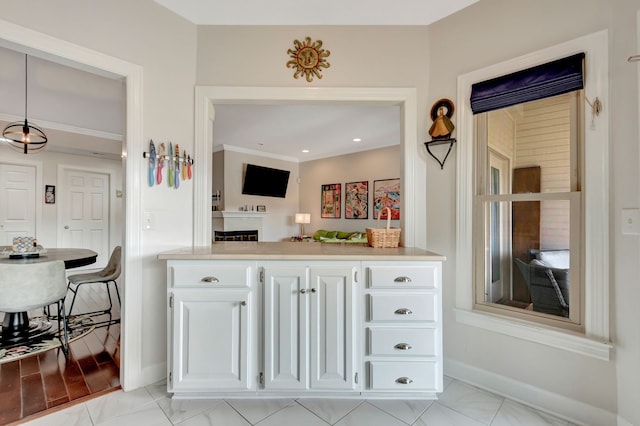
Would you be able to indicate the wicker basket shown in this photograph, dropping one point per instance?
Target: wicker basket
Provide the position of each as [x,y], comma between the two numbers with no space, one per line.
[384,237]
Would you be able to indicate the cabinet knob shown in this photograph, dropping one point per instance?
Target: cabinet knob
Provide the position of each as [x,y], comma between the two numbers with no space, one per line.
[402,280]
[313,290]
[403,346]
[403,311]
[210,280]
[404,380]
[243,303]
[303,291]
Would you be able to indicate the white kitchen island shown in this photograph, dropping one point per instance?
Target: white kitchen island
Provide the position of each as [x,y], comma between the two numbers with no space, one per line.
[289,319]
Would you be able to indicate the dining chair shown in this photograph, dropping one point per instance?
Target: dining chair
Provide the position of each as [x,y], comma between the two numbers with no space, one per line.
[105,277]
[28,286]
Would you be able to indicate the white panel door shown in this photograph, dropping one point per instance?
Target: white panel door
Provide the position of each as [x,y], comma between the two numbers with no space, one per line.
[85,212]
[332,327]
[286,336]
[17,202]
[210,335]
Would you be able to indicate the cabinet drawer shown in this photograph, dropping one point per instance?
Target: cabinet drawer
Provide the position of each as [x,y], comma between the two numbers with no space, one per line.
[211,276]
[403,276]
[403,307]
[405,376]
[402,341]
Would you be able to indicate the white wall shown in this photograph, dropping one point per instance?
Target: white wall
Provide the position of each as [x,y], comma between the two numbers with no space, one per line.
[498,30]
[383,163]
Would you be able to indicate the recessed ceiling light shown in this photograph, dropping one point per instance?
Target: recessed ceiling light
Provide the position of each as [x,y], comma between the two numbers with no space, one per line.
[305,150]
[357,140]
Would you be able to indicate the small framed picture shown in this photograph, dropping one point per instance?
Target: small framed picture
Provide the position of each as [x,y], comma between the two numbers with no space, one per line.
[386,193]
[261,208]
[330,201]
[49,194]
[356,200]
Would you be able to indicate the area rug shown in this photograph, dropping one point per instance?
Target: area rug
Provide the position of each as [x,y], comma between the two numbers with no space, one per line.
[79,327]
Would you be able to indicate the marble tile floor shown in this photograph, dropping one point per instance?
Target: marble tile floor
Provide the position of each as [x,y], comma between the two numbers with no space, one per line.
[459,405]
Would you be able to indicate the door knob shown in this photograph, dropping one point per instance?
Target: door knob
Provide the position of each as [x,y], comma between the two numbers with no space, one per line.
[66,227]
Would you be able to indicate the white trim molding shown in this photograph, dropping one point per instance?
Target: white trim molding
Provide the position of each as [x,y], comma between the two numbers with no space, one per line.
[594,342]
[208,96]
[62,51]
[558,405]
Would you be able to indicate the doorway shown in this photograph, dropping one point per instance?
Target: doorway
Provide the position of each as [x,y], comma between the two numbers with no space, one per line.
[131,338]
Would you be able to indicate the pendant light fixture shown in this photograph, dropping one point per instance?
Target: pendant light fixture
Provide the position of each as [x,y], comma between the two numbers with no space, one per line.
[22,136]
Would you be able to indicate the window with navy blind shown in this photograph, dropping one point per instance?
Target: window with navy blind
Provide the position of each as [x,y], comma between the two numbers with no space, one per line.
[528,201]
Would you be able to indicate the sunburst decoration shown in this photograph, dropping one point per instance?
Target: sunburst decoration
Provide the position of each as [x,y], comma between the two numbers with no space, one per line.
[307,58]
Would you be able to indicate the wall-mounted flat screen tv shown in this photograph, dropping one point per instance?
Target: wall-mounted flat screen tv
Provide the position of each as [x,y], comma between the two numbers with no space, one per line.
[265,181]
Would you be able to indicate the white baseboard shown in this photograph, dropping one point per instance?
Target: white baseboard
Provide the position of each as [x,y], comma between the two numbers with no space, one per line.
[558,405]
[154,373]
[623,422]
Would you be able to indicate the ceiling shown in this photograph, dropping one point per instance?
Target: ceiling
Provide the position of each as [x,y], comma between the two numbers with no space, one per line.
[82,110]
[284,131]
[326,12]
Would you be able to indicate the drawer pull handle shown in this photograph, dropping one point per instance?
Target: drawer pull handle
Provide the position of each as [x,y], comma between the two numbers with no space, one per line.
[403,346]
[403,311]
[402,280]
[404,380]
[210,280]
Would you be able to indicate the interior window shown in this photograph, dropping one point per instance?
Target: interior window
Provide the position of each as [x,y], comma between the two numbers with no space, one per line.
[528,210]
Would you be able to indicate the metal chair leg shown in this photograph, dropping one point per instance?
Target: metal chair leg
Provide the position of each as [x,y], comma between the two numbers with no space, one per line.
[62,316]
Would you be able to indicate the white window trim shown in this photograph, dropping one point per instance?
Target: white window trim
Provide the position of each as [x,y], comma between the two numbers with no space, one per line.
[595,341]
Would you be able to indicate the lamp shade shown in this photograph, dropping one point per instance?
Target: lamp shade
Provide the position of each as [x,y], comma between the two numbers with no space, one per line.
[303,218]
[24,136]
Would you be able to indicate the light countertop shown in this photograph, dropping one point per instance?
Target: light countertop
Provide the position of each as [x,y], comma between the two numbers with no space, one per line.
[297,251]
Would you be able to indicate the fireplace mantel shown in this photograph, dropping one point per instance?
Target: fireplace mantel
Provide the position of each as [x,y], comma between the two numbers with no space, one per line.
[236,214]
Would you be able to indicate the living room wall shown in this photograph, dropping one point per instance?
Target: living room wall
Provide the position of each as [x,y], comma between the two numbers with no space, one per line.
[278,224]
[383,163]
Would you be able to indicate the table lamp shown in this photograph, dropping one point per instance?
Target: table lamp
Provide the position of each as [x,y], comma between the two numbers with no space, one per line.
[302,218]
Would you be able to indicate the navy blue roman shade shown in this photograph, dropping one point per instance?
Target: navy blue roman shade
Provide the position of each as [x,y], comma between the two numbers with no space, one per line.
[542,81]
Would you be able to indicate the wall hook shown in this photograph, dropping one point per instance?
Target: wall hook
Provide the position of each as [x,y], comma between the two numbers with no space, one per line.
[596,109]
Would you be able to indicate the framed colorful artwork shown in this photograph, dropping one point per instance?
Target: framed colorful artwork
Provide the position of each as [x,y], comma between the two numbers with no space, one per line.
[386,193]
[330,201]
[356,200]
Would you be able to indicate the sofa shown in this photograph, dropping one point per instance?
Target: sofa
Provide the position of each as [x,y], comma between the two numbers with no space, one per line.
[547,276]
[325,236]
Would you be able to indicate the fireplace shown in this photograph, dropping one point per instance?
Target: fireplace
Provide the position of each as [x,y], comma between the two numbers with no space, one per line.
[251,235]
[232,226]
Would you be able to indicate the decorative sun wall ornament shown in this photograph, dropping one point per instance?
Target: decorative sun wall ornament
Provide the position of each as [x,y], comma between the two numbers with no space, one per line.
[307,58]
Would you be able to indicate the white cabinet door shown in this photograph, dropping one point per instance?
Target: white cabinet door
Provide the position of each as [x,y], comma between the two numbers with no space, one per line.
[286,338]
[309,325]
[332,291]
[18,206]
[210,335]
